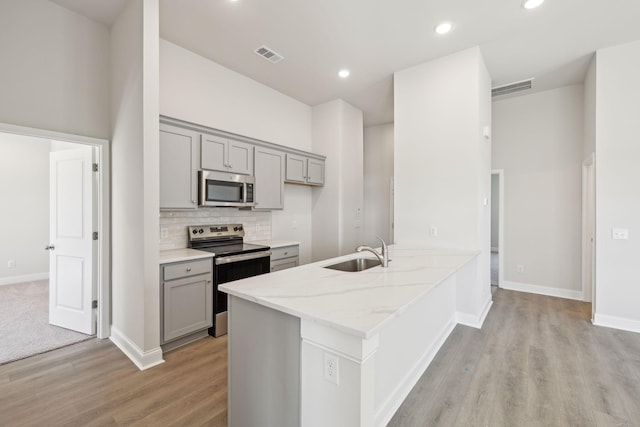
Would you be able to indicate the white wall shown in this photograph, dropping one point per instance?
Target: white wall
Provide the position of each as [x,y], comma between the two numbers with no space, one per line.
[378,172]
[337,207]
[538,141]
[590,110]
[443,164]
[617,186]
[24,217]
[197,90]
[55,69]
[135,182]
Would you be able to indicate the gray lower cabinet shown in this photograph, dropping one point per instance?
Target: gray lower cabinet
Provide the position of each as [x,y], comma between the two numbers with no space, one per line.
[269,176]
[187,298]
[284,257]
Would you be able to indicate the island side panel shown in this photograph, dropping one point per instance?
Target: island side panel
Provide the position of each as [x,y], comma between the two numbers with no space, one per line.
[408,344]
[264,366]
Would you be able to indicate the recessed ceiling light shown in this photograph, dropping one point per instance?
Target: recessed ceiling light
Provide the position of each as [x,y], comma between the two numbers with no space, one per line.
[444,28]
[344,73]
[531,4]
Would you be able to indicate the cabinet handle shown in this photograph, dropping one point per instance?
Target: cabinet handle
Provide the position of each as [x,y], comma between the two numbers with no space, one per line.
[286,253]
[208,281]
[193,202]
[188,268]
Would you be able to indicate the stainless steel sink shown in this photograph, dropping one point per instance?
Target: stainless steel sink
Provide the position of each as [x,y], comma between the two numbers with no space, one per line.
[357,264]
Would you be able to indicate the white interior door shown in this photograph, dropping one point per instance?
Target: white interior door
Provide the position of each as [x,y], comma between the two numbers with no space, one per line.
[71,248]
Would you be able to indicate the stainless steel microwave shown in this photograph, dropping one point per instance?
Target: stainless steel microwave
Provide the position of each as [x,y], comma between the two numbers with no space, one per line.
[225,189]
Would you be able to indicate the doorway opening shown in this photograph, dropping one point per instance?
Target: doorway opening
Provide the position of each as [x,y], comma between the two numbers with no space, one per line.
[497,224]
[33,245]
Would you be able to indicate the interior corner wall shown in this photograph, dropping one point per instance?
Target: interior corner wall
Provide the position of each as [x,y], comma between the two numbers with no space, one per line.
[198,90]
[378,175]
[55,69]
[337,206]
[590,110]
[440,157]
[617,191]
[538,142]
[135,176]
[24,218]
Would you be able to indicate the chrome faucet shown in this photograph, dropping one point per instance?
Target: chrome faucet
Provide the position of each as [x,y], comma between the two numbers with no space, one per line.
[382,257]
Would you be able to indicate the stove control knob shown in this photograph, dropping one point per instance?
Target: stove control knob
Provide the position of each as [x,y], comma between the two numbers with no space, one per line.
[240,228]
[195,231]
[235,228]
[201,231]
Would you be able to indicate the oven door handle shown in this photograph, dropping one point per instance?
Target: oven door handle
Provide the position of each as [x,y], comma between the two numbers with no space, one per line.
[242,257]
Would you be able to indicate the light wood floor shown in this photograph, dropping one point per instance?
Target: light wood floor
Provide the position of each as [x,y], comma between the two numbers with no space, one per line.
[94,384]
[537,361]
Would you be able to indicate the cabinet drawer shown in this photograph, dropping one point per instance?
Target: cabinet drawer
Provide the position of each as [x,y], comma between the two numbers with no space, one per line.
[186,269]
[284,252]
[284,264]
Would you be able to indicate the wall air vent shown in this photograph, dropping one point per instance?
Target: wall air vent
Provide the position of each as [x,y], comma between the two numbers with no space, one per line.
[511,88]
[269,54]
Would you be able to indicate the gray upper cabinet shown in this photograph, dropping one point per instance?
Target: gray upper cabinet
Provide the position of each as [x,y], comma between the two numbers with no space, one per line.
[269,176]
[178,168]
[304,170]
[226,155]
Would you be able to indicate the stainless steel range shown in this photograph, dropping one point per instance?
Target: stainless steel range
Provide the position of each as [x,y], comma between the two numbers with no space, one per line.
[233,260]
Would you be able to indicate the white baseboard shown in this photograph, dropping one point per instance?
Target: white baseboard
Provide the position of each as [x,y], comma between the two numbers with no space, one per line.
[391,405]
[542,290]
[142,359]
[615,322]
[472,320]
[26,278]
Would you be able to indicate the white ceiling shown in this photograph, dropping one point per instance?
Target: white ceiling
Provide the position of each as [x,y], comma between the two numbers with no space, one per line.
[553,43]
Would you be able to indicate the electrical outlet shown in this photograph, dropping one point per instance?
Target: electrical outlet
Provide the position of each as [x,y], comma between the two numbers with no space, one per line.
[520,268]
[164,233]
[11,263]
[619,234]
[331,371]
[433,231]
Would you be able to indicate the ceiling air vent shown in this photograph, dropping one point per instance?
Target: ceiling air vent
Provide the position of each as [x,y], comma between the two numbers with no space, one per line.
[269,54]
[511,88]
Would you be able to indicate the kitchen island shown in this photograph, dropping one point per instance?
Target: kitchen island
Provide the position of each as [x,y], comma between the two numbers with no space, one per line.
[313,346]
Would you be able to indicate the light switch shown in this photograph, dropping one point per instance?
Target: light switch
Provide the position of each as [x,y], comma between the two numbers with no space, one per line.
[619,234]
[486,132]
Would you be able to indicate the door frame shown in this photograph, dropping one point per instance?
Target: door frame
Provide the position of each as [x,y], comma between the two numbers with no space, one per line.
[501,249]
[103,326]
[588,248]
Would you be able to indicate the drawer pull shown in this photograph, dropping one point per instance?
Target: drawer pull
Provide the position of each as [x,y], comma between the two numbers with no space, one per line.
[286,253]
[188,268]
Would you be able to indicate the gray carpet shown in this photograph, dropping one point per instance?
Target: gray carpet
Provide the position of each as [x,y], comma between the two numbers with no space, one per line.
[24,322]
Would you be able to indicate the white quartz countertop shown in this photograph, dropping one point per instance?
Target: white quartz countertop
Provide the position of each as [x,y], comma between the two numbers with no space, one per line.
[358,303]
[274,244]
[184,254]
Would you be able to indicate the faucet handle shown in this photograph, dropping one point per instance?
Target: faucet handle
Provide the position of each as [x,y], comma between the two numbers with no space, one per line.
[384,245]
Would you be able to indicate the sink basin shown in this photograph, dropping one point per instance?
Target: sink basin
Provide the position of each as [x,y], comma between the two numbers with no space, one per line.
[357,264]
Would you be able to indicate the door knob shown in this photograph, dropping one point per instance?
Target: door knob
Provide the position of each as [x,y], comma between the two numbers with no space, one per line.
[49,247]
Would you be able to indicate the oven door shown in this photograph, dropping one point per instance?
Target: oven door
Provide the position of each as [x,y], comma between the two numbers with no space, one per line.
[228,269]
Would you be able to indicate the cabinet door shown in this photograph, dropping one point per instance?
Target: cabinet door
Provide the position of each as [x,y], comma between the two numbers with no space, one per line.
[296,168]
[240,157]
[178,168]
[214,153]
[188,306]
[315,172]
[269,176]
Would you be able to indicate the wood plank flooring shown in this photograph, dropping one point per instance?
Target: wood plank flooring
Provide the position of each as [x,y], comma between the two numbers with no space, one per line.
[537,361]
[94,384]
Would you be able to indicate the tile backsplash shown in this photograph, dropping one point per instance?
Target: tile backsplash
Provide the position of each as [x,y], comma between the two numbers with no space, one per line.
[257,225]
